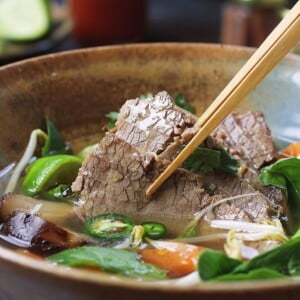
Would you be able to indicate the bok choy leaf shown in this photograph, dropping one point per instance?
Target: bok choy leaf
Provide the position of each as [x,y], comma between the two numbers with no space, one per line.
[285,174]
[284,260]
[110,260]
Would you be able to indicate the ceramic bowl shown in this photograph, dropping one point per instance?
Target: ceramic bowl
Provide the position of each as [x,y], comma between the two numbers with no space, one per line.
[76,89]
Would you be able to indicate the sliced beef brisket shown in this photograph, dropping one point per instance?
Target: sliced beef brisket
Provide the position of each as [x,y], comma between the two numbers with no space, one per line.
[155,125]
[246,136]
[114,179]
[148,135]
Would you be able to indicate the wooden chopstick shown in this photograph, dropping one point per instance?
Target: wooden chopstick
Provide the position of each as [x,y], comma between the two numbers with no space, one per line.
[271,51]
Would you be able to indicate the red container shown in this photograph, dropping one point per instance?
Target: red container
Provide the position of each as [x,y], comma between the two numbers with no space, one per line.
[105,21]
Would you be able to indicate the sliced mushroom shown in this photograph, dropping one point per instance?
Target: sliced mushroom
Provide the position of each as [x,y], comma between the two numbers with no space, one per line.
[38,235]
[60,213]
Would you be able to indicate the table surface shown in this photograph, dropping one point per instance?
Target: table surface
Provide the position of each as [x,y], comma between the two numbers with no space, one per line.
[167,20]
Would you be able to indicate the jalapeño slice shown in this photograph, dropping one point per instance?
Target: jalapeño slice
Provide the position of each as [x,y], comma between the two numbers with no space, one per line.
[109,227]
[154,230]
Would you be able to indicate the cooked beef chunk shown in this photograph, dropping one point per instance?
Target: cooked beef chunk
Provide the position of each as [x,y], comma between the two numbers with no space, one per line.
[114,179]
[246,136]
[253,207]
[149,133]
[155,124]
[40,236]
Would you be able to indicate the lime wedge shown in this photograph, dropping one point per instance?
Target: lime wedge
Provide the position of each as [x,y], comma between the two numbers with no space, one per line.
[24,20]
[48,172]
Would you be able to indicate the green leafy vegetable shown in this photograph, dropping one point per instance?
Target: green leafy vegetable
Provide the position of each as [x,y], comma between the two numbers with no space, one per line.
[207,160]
[261,273]
[113,117]
[110,260]
[55,143]
[294,264]
[181,102]
[212,264]
[284,260]
[228,163]
[276,259]
[285,174]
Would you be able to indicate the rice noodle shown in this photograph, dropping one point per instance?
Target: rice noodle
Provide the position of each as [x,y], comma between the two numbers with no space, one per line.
[28,154]
[6,170]
[200,214]
[203,238]
[252,236]
[5,174]
[244,226]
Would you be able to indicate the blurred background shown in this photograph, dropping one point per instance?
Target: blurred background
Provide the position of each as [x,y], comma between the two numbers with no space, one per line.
[33,27]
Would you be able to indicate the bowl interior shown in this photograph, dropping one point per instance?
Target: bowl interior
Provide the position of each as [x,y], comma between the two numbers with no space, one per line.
[76,89]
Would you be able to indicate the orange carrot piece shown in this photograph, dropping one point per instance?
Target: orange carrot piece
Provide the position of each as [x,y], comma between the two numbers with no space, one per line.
[178,259]
[292,150]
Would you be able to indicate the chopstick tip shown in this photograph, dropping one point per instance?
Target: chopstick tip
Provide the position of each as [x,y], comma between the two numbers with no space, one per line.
[150,191]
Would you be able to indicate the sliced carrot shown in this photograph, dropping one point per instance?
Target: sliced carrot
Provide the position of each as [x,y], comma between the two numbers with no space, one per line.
[292,150]
[178,259]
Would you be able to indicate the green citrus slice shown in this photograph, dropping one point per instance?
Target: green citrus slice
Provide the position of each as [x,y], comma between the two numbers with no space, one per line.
[22,20]
[47,172]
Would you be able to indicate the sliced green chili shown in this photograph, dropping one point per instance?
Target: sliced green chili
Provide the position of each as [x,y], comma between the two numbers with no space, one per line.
[154,230]
[109,226]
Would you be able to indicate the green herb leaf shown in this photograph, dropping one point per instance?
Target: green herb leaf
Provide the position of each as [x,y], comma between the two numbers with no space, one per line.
[285,260]
[285,174]
[203,159]
[294,264]
[207,160]
[228,163]
[55,143]
[145,96]
[113,117]
[212,264]
[276,259]
[261,273]
[110,260]
[181,102]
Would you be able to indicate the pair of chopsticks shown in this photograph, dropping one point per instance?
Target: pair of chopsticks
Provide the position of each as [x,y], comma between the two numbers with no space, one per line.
[271,51]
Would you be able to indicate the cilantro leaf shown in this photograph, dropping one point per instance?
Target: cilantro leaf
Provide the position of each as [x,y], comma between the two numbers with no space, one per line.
[208,160]
[181,102]
[55,143]
[145,96]
[113,117]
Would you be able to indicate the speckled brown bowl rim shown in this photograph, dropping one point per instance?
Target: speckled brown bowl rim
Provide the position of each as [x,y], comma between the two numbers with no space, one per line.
[81,275]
